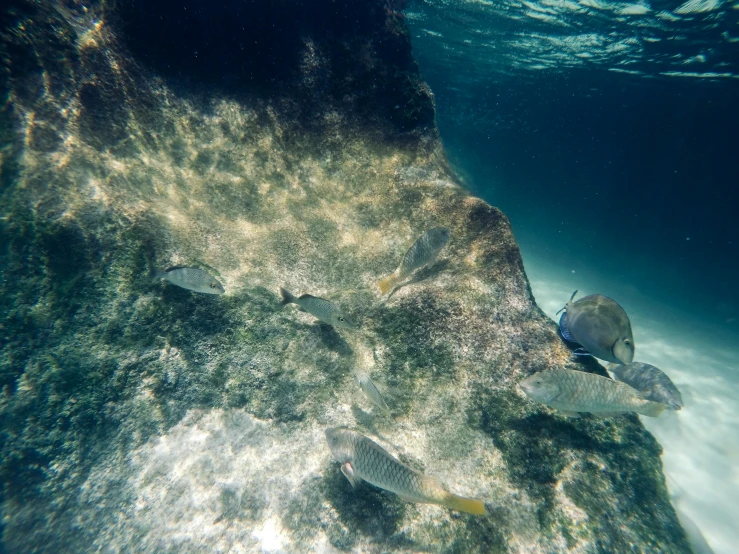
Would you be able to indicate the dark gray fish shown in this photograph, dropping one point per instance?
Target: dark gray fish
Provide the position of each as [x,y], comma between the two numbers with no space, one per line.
[423,252]
[326,311]
[601,326]
[576,391]
[652,382]
[362,459]
[191,278]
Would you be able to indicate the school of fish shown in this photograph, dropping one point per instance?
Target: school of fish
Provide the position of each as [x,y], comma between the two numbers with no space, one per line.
[595,324]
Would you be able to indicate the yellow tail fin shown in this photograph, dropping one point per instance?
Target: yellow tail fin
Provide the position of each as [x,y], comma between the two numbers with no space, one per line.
[462,504]
[387,283]
[652,409]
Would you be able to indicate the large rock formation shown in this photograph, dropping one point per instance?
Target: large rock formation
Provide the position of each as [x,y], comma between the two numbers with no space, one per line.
[138,416]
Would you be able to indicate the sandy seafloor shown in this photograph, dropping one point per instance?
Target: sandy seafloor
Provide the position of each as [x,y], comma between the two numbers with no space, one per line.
[701,441]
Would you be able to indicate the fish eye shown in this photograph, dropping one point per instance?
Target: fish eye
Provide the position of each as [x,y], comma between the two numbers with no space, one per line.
[335,439]
[538,382]
[214,285]
[341,319]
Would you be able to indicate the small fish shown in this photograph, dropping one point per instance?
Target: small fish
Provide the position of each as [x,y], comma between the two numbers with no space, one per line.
[423,253]
[652,382]
[191,278]
[601,326]
[577,391]
[326,311]
[364,460]
[370,390]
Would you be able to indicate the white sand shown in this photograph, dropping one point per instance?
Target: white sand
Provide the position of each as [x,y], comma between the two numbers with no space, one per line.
[700,442]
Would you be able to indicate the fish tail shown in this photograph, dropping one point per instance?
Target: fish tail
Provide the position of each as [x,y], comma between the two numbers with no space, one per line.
[652,409]
[155,275]
[462,504]
[287,297]
[387,283]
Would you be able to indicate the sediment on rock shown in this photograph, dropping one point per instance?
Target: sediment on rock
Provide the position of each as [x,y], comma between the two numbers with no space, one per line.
[138,415]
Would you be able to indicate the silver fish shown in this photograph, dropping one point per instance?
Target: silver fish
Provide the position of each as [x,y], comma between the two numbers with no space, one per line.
[326,311]
[577,391]
[652,382]
[364,460]
[601,326]
[423,252]
[191,278]
[370,390]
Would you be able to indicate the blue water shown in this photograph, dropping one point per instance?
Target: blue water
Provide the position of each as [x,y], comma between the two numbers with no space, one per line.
[606,131]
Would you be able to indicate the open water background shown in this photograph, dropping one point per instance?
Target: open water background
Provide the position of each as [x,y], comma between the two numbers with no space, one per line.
[607,132]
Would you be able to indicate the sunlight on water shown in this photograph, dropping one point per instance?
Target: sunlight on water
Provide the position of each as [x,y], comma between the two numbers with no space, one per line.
[587,34]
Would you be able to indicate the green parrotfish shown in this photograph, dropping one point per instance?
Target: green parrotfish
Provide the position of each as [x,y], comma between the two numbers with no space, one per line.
[576,391]
[364,460]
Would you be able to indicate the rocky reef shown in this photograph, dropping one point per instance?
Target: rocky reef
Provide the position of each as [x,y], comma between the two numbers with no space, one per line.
[301,152]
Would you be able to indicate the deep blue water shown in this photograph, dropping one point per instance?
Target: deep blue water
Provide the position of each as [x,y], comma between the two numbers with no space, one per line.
[608,133]
[626,175]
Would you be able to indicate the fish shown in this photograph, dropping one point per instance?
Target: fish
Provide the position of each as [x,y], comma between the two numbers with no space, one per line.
[576,391]
[324,310]
[362,459]
[423,253]
[652,382]
[191,278]
[600,326]
[371,392]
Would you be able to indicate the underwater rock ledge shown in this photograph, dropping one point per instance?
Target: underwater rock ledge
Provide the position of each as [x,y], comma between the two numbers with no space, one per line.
[138,416]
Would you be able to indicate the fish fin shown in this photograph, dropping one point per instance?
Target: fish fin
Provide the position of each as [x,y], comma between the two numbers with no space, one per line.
[156,275]
[564,329]
[306,295]
[387,283]
[175,267]
[652,409]
[348,472]
[568,303]
[462,504]
[571,414]
[607,414]
[581,352]
[287,297]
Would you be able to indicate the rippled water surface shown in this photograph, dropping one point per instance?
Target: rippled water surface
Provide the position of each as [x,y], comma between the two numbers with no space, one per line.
[697,38]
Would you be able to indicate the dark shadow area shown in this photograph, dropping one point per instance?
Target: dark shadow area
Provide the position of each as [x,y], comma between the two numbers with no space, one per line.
[368,510]
[353,55]
[425,273]
[330,338]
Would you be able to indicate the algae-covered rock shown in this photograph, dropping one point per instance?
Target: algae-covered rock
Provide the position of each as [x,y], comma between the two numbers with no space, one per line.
[140,416]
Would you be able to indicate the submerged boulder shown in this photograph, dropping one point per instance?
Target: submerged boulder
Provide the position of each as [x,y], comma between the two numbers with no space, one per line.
[137,415]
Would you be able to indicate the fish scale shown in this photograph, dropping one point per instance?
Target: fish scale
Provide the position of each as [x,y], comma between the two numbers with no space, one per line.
[577,391]
[191,278]
[423,252]
[364,459]
[652,382]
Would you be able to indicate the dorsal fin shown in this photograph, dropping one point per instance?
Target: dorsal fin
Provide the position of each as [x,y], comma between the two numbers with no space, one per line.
[177,267]
[306,295]
[568,303]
